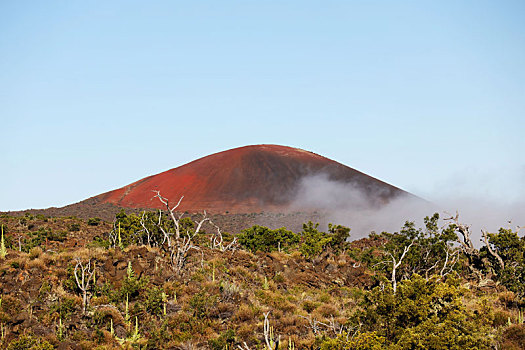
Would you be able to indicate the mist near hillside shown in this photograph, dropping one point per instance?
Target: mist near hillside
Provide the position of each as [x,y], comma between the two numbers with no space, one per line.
[351,205]
[484,213]
[348,204]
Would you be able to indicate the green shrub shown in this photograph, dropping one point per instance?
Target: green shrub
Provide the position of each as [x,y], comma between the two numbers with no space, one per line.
[29,342]
[93,221]
[225,341]
[74,227]
[131,286]
[70,283]
[99,242]
[339,236]
[313,240]
[201,304]
[65,307]
[154,302]
[422,315]
[59,236]
[260,238]
[359,341]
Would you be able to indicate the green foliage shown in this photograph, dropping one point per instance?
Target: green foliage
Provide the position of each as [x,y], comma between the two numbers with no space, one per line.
[201,304]
[510,247]
[154,302]
[99,242]
[225,341]
[132,230]
[313,240]
[339,236]
[29,342]
[64,307]
[59,236]
[260,238]
[93,221]
[359,341]
[422,315]
[427,255]
[36,239]
[70,283]
[131,286]
[75,227]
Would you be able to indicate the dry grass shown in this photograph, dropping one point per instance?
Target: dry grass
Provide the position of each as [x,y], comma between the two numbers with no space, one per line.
[35,252]
[326,311]
[36,263]
[244,313]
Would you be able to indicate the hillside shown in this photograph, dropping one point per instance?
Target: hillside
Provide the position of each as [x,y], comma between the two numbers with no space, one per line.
[304,290]
[250,179]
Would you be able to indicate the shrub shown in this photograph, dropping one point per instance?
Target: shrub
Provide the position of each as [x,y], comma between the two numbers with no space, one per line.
[93,221]
[339,236]
[260,238]
[74,227]
[310,306]
[154,302]
[313,240]
[64,307]
[35,252]
[59,236]
[359,341]
[225,341]
[424,315]
[514,337]
[131,286]
[201,304]
[99,242]
[28,341]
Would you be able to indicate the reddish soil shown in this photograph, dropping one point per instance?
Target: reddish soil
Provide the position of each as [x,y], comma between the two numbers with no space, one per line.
[241,180]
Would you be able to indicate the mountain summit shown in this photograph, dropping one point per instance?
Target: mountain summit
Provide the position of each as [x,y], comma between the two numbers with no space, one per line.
[242,180]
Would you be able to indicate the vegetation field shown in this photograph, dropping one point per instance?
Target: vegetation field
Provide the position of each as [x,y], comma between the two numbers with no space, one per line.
[161,280]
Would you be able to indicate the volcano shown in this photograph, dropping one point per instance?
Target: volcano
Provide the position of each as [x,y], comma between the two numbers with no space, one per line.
[250,179]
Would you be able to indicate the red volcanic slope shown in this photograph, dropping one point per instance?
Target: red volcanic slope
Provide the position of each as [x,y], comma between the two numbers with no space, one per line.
[242,180]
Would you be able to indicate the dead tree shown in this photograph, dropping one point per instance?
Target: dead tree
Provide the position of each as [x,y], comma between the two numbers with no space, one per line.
[475,263]
[179,251]
[145,228]
[450,260]
[396,264]
[217,241]
[466,243]
[333,325]
[171,211]
[492,251]
[83,282]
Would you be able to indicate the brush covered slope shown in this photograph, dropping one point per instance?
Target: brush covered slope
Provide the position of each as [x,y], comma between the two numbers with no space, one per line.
[67,283]
[259,178]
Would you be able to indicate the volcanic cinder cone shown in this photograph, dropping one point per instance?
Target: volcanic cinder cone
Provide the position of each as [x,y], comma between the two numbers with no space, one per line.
[243,180]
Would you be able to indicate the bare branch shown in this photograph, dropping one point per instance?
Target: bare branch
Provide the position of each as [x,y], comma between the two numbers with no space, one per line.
[217,241]
[271,343]
[396,264]
[83,282]
[143,224]
[176,221]
[489,247]
[455,254]
[466,243]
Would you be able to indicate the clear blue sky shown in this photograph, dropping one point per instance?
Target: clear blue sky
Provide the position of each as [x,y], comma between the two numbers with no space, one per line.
[428,96]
